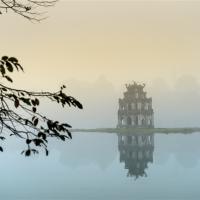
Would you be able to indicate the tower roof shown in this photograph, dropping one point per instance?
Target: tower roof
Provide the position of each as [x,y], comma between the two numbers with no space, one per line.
[134,86]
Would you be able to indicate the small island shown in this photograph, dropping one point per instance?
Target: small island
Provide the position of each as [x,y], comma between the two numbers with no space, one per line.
[141,130]
[136,115]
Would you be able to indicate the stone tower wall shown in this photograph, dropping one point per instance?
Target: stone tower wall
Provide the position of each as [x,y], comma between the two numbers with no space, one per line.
[135,109]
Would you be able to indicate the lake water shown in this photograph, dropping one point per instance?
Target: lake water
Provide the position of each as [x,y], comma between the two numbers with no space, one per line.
[105,166]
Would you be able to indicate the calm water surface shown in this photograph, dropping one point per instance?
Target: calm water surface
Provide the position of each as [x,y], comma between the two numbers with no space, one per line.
[105,166]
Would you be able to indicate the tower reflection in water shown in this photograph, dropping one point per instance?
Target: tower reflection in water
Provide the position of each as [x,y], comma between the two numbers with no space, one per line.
[136,151]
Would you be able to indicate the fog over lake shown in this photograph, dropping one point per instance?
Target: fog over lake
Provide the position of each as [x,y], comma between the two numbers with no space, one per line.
[95,48]
[175,104]
[88,167]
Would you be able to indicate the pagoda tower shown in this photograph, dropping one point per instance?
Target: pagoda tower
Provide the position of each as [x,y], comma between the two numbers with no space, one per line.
[135,109]
[136,151]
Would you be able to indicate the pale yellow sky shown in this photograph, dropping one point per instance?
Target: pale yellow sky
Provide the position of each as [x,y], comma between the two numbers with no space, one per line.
[122,40]
[154,42]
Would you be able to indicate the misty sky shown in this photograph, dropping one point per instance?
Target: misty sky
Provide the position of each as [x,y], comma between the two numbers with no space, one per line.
[121,40]
[89,45]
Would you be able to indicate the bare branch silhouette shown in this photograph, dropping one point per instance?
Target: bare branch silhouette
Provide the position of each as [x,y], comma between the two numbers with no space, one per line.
[30,9]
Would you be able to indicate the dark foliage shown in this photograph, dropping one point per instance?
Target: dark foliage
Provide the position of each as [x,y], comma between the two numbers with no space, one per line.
[19,115]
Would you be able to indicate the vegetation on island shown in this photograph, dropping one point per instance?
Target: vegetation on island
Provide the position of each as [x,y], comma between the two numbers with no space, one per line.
[140,130]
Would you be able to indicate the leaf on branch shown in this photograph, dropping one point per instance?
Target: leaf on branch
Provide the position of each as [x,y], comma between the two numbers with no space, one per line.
[2,138]
[56,98]
[28,152]
[35,151]
[35,123]
[5,58]
[14,96]
[49,124]
[62,137]
[28,122]
[35,126]
[8,78]
[37,102]
[33,118]
[16,103]
[13,60]
[40,134]
[9,66]
[28,141]
[69,133]
[1,149]
[34,109]
[78,104]
[38,142]
[33,102]
[63,102]
[18,65]
[4,89]
[43,135]
[66,125]
[2,70]
[56,132]
[47,152]
[26,100]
